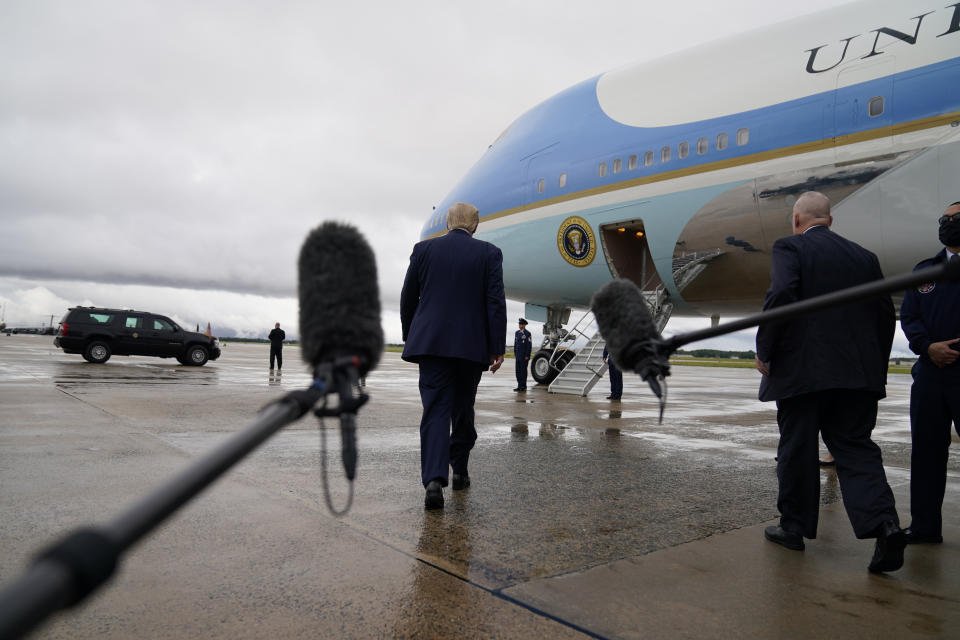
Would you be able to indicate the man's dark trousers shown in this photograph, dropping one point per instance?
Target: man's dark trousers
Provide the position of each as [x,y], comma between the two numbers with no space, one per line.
[276,351]
[448,387]
[934,403]
[521,368]
[845,418]
[616,379]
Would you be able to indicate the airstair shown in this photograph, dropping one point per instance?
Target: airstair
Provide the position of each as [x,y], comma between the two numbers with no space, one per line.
[584,371]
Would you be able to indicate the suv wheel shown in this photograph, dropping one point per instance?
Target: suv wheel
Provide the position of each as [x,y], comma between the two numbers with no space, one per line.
[197,356]
[97,352]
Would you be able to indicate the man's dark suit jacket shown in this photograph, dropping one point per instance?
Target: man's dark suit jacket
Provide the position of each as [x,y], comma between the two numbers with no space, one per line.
[452,304]
[845,347]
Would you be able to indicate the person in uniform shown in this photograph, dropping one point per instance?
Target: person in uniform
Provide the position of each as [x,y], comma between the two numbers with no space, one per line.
[277,336]
[616,377]
[827,370]
[453,314]
[522,346]
[930,318]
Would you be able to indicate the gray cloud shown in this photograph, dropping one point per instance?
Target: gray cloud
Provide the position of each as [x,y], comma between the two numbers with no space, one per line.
[193,145]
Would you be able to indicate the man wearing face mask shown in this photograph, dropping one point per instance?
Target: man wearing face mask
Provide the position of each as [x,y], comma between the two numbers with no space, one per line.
[930,317]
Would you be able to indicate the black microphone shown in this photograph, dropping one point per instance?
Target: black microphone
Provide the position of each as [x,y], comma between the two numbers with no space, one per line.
[627,327]
[635,344]
[339,298]
[340,325]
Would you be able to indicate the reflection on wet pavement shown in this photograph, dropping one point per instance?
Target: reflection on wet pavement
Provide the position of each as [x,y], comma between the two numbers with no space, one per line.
[560,483]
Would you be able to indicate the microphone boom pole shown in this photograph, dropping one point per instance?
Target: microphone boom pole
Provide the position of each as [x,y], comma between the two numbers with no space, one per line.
[67,572]
[836,298]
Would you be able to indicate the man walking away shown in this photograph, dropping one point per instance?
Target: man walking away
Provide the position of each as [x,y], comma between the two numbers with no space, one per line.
[827,370]
[454,319]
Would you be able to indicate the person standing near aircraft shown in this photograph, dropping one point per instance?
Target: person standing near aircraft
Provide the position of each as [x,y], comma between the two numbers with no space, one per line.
[616,377]
[277,336]
[522,345]
[827,370]
[453,314]
[930,318]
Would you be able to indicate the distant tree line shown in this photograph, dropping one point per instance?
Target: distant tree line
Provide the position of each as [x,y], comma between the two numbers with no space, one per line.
[715,353]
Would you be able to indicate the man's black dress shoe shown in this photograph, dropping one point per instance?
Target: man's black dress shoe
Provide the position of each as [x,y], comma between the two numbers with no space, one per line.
[434,497]
[914,537]
[775,533]
[613,397]
[460,481]
[888,554]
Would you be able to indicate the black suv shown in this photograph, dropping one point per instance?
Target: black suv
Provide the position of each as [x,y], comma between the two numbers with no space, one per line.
[98,333]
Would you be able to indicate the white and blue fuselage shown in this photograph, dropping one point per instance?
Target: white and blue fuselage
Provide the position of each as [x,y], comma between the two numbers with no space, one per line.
[681,173]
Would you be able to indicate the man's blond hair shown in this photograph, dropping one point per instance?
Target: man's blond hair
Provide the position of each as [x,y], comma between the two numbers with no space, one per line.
[463,216]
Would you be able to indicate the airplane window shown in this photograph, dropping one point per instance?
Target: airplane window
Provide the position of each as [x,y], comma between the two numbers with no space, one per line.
[721,141]
[683,149]
[603,169]
[703,145]
[563,180]
[540,185]
[648,158]
[743,136]
[617,165]
[632,162]
[665,154]
[875,107]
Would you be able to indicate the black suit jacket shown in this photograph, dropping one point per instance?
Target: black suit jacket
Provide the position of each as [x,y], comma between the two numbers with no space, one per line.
[845,347]
[452,304]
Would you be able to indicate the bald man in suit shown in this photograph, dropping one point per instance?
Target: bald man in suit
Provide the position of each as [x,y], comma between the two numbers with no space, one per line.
[827,370]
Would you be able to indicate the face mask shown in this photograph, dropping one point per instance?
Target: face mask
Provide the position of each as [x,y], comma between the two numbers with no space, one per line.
[950,234]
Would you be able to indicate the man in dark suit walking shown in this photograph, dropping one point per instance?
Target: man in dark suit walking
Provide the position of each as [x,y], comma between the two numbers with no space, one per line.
[454,318]
[827,370]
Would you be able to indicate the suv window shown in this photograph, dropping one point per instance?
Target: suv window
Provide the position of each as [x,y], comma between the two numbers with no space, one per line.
[132,322]
[94,318]
[159,324]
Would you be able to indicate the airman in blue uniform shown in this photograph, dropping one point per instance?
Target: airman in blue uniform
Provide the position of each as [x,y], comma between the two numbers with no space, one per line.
[522,346]
[930,317]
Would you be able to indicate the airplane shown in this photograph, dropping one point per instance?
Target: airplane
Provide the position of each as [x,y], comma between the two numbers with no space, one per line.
[680,173]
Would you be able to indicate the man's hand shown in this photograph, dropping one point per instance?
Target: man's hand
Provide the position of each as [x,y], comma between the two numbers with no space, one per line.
[761,367]
[495,362]
[941,354]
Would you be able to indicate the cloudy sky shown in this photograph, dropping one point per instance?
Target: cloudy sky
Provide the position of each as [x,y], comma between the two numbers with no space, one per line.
[171,156]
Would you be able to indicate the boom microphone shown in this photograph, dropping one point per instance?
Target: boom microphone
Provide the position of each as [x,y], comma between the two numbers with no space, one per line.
[340,320]
[339,299]
[627,327]
[635,345]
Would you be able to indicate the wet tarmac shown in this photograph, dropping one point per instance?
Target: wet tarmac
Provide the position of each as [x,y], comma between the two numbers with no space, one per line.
[586,518]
